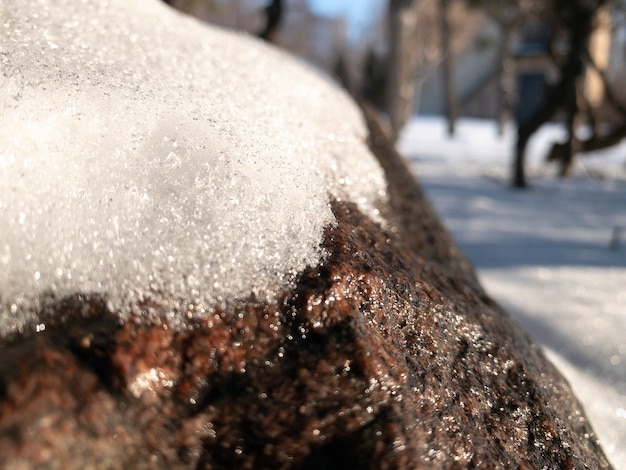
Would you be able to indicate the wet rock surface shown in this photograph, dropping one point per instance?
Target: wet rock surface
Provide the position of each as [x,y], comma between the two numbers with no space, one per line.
[388,355]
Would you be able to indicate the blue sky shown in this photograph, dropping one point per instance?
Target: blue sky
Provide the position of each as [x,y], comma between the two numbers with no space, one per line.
[359,14]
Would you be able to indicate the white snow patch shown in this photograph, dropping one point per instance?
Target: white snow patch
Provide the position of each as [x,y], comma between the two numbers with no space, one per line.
[145,154]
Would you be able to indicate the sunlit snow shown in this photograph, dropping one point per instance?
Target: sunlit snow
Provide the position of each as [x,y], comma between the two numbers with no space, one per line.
[144,154]
[549,255]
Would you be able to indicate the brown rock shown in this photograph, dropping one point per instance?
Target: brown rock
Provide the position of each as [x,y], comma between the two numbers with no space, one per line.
[389,355]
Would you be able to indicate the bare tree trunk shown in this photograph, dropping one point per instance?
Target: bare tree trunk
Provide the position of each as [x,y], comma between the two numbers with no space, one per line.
[579,25]
[567,155]
[273,15]
[400,82]
[554,99]
[450,101]
[505,78]
[414,50]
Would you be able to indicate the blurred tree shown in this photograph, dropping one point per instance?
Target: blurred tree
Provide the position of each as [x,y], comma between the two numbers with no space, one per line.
[450,101]
[273,16]
[374,81]
[423,34]
[414,49]
[509,15]
[572,23]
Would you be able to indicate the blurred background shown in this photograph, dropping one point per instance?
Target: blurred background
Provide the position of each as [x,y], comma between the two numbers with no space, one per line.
[521,61]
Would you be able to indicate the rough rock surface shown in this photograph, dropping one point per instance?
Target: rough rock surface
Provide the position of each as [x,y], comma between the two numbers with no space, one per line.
[389,355]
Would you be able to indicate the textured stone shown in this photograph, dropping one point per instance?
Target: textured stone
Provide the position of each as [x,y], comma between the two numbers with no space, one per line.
[388,355]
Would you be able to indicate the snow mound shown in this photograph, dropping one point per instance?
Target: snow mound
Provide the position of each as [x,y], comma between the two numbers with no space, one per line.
[145,155]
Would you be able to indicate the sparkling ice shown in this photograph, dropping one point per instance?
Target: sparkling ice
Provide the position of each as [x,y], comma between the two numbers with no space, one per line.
[144,154]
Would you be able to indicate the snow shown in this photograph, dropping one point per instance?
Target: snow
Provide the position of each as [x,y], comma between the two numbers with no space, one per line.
[545,254]
[144,155]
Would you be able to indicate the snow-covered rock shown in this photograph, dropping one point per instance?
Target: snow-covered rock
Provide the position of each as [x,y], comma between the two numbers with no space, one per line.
[143,154]
[154,168]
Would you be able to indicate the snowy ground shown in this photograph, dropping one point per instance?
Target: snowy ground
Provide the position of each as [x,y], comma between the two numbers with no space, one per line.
[549,255]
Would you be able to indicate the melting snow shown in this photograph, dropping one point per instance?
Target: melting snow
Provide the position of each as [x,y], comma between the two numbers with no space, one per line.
[142,153]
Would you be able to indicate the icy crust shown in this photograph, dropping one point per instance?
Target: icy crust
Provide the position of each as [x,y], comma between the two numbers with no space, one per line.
[143,154]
